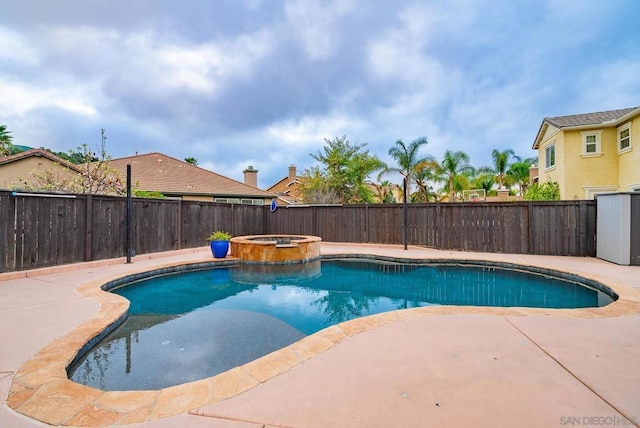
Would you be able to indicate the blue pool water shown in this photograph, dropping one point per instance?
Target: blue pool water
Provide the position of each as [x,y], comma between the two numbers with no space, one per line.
[191,325]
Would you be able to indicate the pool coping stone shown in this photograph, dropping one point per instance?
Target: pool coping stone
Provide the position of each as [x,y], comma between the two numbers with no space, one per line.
[41,390]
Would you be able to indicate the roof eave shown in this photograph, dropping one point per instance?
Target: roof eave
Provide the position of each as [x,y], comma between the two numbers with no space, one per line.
[609,124]
[543,128]
[215,195]
[627,116]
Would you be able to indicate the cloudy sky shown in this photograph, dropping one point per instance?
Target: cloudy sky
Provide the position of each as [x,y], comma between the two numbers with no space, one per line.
[262,82]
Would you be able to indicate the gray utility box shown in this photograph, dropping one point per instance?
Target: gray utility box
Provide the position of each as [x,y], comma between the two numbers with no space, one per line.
[618,228]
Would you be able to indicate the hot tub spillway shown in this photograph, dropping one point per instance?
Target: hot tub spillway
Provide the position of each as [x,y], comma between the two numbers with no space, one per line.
[275,248]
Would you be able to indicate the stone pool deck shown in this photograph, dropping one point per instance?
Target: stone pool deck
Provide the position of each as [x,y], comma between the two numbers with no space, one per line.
[437,366]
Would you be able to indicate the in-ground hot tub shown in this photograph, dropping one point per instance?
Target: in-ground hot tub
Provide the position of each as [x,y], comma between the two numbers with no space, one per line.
[275,248]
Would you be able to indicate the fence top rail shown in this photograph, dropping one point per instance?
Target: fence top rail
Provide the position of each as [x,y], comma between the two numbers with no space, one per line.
[9,192]
[451,204]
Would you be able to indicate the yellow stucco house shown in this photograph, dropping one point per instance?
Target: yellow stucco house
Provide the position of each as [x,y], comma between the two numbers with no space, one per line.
[591,153]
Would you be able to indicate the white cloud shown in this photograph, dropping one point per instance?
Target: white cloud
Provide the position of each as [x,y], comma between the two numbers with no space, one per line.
[21,94]
[76,63]
[310,130]
[316,24]
[202,68]
[402,54]
[243,53]
[145,59]
[19,98]
[189,68]
[15,50]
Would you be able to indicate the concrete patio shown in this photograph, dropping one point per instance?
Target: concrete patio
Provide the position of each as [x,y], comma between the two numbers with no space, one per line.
[436,366]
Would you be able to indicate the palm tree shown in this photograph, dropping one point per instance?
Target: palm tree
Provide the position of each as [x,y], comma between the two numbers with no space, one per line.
[484,178]
[519,172]
[454,172]
[501,163]
[423,173]
[5,141]
[408,159]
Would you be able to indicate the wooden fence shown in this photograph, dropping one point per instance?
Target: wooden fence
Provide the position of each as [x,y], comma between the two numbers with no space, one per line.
[40,231]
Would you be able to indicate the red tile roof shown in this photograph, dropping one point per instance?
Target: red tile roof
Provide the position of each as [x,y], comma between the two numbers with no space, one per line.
[170,176]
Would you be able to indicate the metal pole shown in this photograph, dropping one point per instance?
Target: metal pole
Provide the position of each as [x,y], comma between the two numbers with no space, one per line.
[43,195]
[129,213]
[404,211]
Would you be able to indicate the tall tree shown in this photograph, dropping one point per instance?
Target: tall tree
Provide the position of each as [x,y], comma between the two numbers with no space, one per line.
[501,164]
[410,162]
[315,189]
[454,172]
[346,168]
[5,141]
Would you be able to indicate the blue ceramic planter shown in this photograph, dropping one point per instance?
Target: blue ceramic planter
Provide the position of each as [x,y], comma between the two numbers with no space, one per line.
[219,249]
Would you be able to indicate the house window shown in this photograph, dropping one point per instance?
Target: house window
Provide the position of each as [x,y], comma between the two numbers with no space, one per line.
[550,155]
[227,200]
[240,201]
[624,137]
[252,201]
[591,143]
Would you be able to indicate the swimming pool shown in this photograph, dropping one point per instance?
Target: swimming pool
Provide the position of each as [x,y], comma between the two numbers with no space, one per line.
[196,324]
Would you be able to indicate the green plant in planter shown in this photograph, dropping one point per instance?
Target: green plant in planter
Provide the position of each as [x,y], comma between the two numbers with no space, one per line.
[219,242]
[219,235]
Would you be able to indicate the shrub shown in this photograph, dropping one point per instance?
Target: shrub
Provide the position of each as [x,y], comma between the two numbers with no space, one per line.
[219,235]
[548,191]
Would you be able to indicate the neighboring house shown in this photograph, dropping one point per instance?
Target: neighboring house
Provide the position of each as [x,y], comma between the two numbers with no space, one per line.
[17,170]
[175,178]
[592,153]
[288,189]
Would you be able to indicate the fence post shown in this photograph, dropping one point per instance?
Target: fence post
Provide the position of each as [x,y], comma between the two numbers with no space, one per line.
[530,247]
[129,213]
[404,212]
[88,236]
[179,226]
